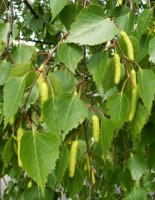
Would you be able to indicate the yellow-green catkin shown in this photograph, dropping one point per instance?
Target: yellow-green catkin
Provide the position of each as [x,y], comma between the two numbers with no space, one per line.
[12,120]
[117,66]
[96,128]
[73,159]
[93,178]
[20,133]
[133,103]
[43,90]
[29,185]
[129,46]
[120,2]
[134,96]
[133,78]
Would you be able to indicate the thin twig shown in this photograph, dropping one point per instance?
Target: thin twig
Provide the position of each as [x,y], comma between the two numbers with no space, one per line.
[52,52]
[124,84]
[36,41]
[5,181]
[29,120]
[84,73]
[10,57]
[125,63]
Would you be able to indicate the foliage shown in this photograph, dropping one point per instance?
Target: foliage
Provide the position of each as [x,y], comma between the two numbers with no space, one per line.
[57,71]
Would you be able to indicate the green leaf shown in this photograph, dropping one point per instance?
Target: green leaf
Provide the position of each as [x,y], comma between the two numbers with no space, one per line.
[34,193]
[53,29]
[143,47]
[146,83]
[62,82]
[8,150]
[75,184]
[13,94]
[152,49]
[62,164]
[4,28]
[50,116]
[107,130]
[71,112]
[1,112]
[2,47]
[20,70]
[136,194]
[118,106]
[99,67]
[151,155]
[56,6]
[126,22]
[5,68]
[140,119]
[23,54]
[146,136]
[125,179]
[143,21]
[137,166]
[39,153]
[51,181]
[91,27]
[68,14]
[120,11]
[32,98]
[70,55]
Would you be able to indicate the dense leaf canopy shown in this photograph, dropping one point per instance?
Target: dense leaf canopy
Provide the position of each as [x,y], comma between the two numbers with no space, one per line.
[57,70]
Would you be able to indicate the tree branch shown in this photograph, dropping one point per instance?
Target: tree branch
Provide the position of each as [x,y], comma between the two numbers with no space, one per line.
[52,52]
[10,20]
[31,9]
